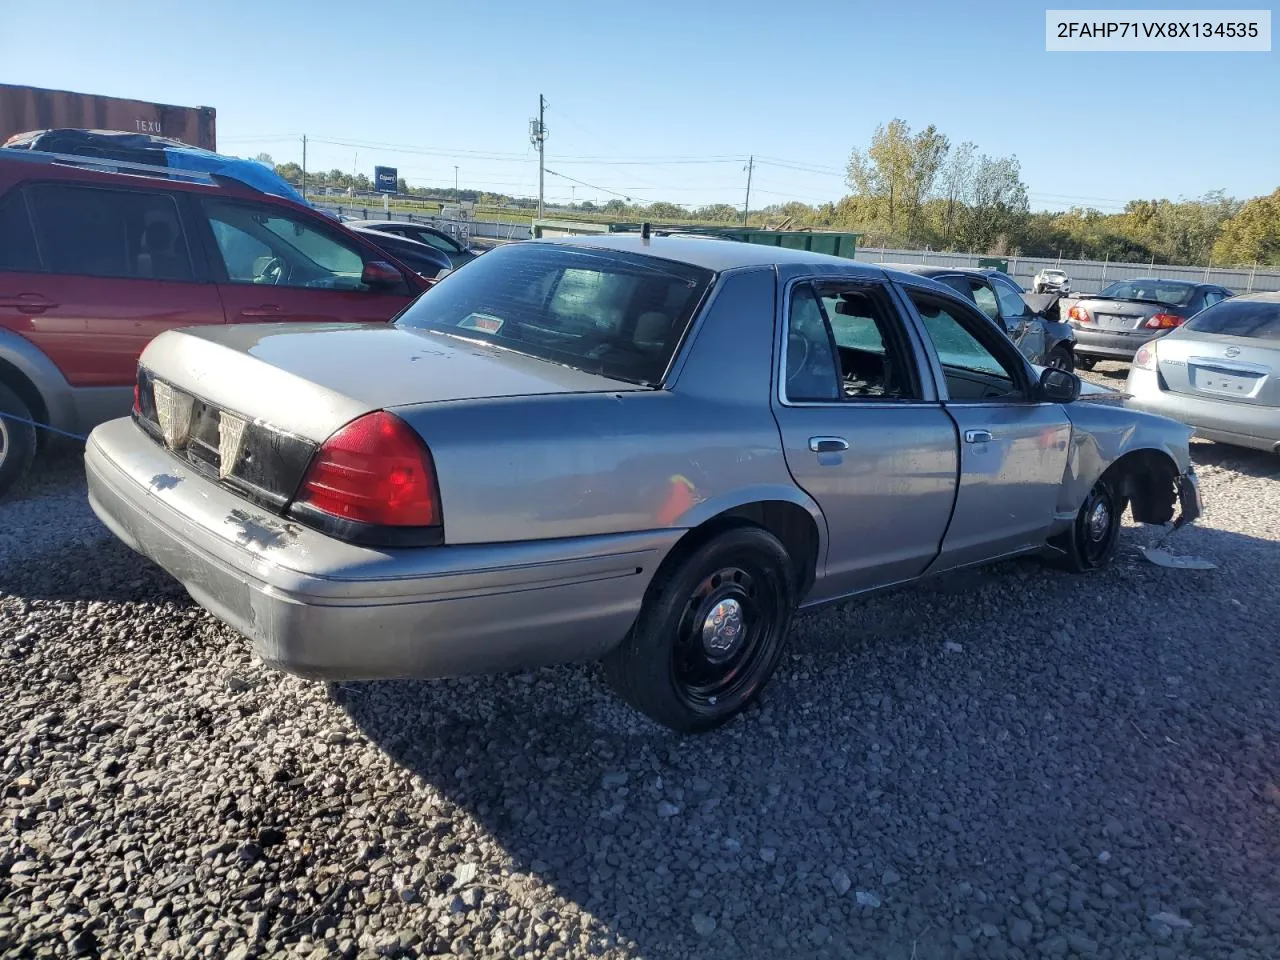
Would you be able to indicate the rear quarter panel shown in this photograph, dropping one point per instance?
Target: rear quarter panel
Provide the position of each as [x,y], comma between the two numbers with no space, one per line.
[573,465]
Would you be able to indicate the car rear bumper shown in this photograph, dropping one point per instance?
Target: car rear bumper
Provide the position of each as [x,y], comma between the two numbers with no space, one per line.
[317,607]
[1111,344]
[1226,421]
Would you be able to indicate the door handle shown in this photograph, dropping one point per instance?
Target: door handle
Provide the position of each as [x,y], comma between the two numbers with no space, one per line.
[266,310]
[27,302]
[977,436]
[828,444]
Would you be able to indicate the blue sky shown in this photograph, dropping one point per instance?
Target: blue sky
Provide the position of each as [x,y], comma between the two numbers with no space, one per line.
[711,82]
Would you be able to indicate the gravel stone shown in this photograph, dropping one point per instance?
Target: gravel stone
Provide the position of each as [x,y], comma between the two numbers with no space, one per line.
[1092,774]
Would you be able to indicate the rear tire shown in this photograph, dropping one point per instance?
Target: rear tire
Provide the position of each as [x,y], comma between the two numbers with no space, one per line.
[1090,543]
[17,439]
[710,633]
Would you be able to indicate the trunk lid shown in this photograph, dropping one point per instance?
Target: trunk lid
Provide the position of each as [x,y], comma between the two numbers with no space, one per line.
[1220,367]
[310,379]
[249,405]
[1127,315]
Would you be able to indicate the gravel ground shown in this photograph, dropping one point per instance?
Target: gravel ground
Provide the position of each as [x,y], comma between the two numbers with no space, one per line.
[1009,763]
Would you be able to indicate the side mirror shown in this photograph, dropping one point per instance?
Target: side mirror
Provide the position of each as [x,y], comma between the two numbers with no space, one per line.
[379,273]
[1058,386]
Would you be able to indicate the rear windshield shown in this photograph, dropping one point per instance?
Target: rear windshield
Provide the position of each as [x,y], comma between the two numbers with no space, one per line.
[617,314]
[1256,319]
[1161,291]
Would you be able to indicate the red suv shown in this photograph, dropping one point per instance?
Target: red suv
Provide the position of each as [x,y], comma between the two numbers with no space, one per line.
[98,257]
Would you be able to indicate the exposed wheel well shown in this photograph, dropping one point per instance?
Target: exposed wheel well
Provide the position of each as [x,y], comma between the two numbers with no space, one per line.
[15,380]
[792,525]
[1147,481]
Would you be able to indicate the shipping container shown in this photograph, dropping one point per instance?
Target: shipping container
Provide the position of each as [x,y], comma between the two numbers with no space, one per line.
[23,109]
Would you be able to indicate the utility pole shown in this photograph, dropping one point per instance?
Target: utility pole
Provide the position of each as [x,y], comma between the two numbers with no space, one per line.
[456,197]
[304,166]
[746,207]
[538,136]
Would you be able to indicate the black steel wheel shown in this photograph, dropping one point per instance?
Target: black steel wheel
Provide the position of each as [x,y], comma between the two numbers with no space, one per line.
[1060,358]
[1091,542]
[17,438]
[710,633]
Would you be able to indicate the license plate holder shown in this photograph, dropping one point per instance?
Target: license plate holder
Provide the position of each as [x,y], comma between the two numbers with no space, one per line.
[1227,384]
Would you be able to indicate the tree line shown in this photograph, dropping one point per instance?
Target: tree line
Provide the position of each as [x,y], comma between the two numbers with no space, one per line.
[915,189]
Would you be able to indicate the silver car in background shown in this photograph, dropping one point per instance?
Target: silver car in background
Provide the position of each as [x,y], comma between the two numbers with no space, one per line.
[1219,372]
[1051,280]
[648,451]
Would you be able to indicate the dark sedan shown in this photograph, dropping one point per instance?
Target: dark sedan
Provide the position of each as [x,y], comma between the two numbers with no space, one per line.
[426,261]
[1113,323]
[1041,340]
[457,251]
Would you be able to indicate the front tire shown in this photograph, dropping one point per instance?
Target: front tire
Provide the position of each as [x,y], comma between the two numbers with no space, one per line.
[1060,359]
[17,439]
[1086,363]
[710,633]
[1091,541]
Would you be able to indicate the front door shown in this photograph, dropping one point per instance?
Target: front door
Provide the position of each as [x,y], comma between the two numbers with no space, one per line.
[1013,450]
[1020,321]
[278,266]
[864,435]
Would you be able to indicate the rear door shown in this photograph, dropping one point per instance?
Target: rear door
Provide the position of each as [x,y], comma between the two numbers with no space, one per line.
[863,432]
[276,264]
[109,270]
[1229,352]
[1013,450]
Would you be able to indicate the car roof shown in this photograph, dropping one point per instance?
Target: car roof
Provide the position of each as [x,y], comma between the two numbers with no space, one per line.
[712,253]
[933,270]
[1263,296]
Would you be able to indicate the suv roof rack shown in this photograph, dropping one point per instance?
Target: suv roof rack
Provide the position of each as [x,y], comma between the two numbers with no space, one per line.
[129,167]
[111,151]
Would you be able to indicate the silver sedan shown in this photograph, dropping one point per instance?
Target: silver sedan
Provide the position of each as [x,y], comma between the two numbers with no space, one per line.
[647,450]
[1219,372]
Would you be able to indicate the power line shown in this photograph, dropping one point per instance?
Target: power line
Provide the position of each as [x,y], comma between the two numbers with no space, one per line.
[591,185]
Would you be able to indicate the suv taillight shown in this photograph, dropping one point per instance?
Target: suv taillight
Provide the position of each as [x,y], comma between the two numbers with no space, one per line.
[1079,314]
[1145,358]
[373,474]
[1165,321]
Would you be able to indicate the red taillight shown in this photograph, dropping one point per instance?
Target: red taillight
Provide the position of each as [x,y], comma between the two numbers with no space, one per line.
[1079,314]
[374,470]
[1164,321]
[137,398]
[1145,358]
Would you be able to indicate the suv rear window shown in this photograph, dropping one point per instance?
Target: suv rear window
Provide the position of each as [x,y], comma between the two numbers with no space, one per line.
[1255,319]
[1172,292]
[617,314]
[109,233]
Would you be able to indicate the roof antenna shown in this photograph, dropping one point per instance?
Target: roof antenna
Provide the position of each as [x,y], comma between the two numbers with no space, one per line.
[645,229]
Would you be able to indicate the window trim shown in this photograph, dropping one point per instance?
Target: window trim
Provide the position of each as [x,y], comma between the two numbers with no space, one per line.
[18,195]
[1001,346]
[907,326]
[196,258]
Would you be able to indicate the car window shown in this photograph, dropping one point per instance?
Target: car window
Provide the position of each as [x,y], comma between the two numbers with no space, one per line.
[619,314]
[985,299]
[264,245]
[811,372]
[1211,297]
[17,239]
[972,370]
[1012,306]
[1254,319]
[1172,292]
[873,358]
[435,240]
[109,233]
